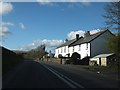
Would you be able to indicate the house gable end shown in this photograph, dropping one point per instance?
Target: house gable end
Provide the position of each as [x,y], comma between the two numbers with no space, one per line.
[89,39]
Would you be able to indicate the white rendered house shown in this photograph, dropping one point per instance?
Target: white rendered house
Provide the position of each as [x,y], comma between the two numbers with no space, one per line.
[89,45]
[64,49]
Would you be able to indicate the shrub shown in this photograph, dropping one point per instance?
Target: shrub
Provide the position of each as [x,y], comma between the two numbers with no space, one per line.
[85,60]
[60,56]
[75,58]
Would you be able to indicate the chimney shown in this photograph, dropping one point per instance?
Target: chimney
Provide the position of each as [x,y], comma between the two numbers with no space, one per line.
[87,34]
[77,36]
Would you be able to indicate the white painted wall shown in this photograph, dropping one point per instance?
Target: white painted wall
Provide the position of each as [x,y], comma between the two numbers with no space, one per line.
[56,53]
[62,50]
[95,59]
[99,45]
[83,49]
[71,50]
[103,61]
[95,47]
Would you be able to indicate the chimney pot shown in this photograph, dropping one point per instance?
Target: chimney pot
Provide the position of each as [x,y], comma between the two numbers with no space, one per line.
[87,34]
[77,36]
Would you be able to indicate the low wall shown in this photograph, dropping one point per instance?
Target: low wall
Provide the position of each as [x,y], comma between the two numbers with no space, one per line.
[54,60]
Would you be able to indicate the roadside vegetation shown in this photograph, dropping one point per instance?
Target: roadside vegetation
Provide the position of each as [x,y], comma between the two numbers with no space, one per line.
[36,53]
[9,60]
[112,23]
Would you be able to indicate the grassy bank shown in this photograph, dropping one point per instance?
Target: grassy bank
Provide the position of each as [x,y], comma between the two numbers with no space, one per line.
[9,60]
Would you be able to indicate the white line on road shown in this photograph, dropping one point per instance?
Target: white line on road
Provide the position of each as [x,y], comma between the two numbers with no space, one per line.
[67,80]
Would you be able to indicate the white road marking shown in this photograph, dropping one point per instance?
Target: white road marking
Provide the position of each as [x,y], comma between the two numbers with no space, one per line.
[67,80]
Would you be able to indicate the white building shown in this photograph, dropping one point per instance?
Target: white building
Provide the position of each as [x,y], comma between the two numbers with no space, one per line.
[103,59]
[64,49]
[89,45]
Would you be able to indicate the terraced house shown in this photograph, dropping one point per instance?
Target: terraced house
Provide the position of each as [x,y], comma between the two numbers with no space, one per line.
[89,45]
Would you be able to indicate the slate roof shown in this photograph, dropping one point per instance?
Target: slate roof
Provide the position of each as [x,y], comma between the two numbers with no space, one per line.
[83,39]
[104,55]
[89,38]
[67,43]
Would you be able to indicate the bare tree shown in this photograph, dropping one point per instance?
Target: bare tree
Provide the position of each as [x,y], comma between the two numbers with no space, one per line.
[112,13]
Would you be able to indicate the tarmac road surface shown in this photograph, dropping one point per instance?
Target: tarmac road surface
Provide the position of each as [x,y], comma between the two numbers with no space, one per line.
[33,74]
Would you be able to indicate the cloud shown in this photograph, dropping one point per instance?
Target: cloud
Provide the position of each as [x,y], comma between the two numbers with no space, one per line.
[3,24]
[71,5]
[4,29]
[61,0]
[50,44]
[45,2]
[94,31]
[5,8]
[72,35]
[22,25]
[4,32]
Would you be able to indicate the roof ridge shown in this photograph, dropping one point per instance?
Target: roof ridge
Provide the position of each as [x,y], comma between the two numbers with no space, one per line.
[99,32]
[86,39]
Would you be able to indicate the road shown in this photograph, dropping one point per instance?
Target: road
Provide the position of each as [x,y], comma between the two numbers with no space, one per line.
[33,74]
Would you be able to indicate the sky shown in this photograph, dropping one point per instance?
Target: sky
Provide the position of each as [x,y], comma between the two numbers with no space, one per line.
[26,25]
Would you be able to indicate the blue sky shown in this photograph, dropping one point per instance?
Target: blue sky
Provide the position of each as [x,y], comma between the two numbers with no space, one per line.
[29,24]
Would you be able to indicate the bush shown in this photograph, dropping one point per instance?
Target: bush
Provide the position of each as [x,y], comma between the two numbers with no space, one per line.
[60,56]
[75,58]
[85,60]
[67,62]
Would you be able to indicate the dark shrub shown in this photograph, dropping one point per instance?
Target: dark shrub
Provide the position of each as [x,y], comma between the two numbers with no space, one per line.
[75,58]
[67,62]
[85,60]
[60,56]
